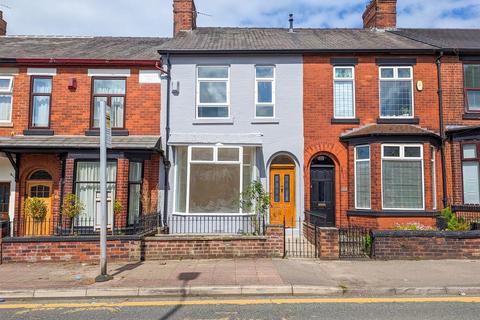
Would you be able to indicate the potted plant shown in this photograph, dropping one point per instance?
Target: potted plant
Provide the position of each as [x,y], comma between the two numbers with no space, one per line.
[72,208]
[36,209]
[255,200]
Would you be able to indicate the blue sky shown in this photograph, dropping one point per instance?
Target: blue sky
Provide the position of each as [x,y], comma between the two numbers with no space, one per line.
[154,17]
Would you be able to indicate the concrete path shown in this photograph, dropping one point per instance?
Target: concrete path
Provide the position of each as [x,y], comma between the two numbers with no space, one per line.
[243,276]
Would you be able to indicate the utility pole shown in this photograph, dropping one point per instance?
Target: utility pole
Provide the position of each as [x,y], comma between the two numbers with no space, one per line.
[105,142]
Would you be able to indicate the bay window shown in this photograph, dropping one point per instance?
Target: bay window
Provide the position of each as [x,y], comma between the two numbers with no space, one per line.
[472,87]
[112,92]
[402,177]
[343,92]
[470,172]
[396,92]
[213,96]
[210,179]
[6,97]
[87,188]
[362,177]
[41,99]
[265,92]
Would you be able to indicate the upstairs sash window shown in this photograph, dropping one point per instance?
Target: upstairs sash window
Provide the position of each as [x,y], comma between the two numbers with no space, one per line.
[265,92]
[41,99]
[6,98]
[112,92]
[396,92]
[344,92]
[213,98]
[472,87]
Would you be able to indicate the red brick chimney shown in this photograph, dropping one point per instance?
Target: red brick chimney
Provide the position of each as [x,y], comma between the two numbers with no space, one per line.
[380,14]
[3,25]
[184,16]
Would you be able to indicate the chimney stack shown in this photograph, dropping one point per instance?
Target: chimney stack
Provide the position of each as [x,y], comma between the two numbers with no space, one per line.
[380,14]
[3,25]
[184,16]
[290,20]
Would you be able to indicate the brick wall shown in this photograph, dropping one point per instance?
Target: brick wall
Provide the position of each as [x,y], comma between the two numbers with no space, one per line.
[71,109]
[67,250]
[403,245]
[328,242]
[322,137]
[212,247]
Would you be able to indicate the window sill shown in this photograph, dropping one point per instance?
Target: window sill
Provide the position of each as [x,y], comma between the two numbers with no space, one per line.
[398,120]
[471,116]
[38,132]
[266,121]
[115,133]
[345,121]
[6,125]
[212,121]
[391,213]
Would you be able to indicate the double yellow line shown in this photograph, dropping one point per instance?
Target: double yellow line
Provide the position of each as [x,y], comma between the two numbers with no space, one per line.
[242,302]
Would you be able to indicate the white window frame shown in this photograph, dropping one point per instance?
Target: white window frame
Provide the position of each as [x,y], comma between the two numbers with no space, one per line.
[433,164]
[214,161]
[273,81]
[355,174]
[395,78]
[199,80]
[353,91]
[6,93]
[402,157]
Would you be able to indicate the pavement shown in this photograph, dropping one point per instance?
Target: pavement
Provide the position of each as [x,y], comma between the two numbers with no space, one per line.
[242,277]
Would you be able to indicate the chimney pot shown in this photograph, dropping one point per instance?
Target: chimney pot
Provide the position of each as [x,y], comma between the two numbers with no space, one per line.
[184,16]
[3,25]
[380,14]
[291,22]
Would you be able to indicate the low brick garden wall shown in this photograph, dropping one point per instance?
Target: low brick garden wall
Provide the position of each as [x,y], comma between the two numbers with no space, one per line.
[136,248]
[410,245]
[327,240]
[74,249]
[171,247]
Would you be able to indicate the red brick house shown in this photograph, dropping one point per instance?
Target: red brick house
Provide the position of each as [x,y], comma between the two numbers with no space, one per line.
[372,132]
[52,87]
[459,62]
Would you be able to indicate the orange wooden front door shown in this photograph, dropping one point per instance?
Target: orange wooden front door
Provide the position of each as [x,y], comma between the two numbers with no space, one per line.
[282,195]
[42,190]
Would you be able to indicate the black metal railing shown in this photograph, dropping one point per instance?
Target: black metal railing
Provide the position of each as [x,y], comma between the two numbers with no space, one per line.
[80,226]
[240,225]
[316,218]
[355,242]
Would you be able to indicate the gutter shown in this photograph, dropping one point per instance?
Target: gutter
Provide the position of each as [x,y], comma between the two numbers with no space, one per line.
[297,51]
[166,162]
[438,62]
[77,62]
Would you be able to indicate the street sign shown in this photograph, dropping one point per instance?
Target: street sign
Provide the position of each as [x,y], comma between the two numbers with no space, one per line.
[108,126]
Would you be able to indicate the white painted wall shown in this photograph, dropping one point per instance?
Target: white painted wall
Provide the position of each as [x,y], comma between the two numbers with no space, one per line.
[285,135]
[7,174]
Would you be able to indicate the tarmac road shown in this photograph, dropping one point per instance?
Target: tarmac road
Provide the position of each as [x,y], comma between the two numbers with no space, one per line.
[434,308]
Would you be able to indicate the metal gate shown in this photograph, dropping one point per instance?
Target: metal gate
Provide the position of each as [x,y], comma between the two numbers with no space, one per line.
[301,241]
[355,242]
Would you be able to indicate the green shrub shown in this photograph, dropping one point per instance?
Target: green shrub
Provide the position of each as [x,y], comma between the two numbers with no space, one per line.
[72,206]
[453,222]
[36,209]
[412,226]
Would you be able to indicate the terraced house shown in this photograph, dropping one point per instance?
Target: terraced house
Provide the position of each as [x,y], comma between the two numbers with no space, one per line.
[373,127]
[51,88]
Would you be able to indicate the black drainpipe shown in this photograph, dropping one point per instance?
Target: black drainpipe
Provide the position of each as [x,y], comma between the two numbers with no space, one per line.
[166,159]
[438,62]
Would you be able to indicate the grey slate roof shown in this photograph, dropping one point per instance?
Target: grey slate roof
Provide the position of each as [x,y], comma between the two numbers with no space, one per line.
[277,39]
[462,39]
[104,48]
[150,143]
